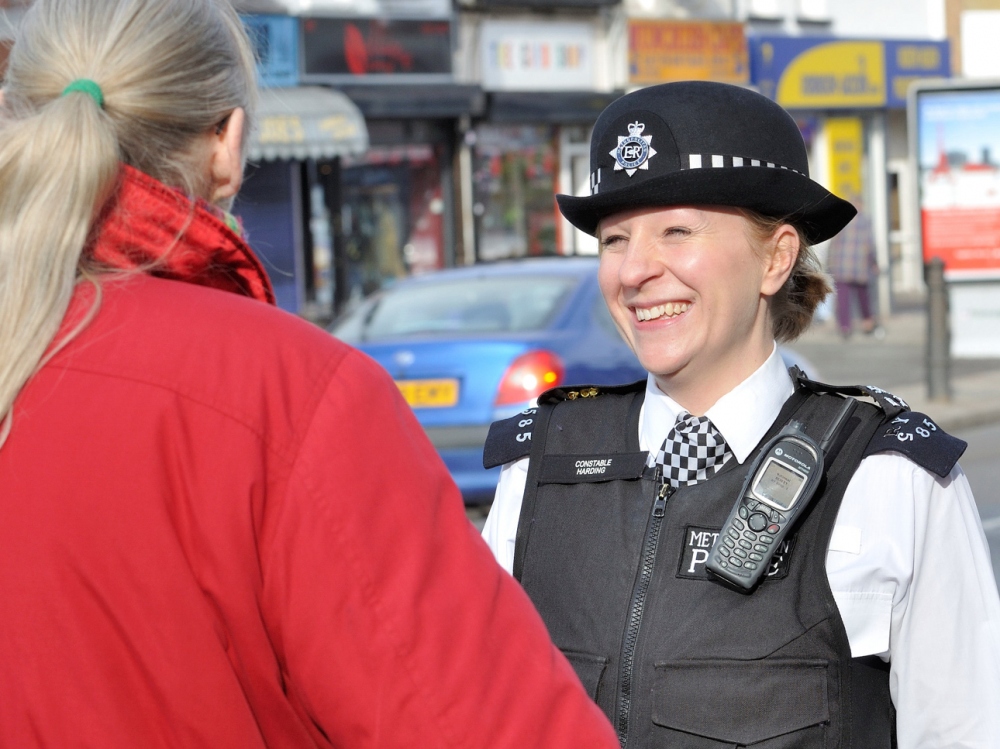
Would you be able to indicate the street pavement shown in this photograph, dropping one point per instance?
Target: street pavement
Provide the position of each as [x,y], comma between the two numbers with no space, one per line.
[896,362]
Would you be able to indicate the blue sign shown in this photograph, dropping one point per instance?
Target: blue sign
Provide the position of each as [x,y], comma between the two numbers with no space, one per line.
[276,39]
[907,61]
[832,73]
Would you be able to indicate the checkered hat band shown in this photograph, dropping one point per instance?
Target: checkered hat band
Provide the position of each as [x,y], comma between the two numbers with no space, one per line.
[726,161]
[706,161]
[693,451]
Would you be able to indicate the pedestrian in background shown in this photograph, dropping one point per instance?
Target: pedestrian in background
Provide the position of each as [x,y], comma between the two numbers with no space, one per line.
[852,263]
[220,526]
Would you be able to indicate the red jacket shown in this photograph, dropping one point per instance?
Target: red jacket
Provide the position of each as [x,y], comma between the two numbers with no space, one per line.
[222,528]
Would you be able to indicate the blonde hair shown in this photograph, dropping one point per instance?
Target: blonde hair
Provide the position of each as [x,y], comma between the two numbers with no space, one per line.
[792,308]
[170,71]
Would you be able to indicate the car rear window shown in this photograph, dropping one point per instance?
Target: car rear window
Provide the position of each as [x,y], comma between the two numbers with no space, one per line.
[497,304]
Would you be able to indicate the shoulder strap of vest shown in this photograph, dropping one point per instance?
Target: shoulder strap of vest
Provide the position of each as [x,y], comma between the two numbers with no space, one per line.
[510,439]
[889,403]
[910,433]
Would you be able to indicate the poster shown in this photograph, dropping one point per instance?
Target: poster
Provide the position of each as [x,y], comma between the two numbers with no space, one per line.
[958,155]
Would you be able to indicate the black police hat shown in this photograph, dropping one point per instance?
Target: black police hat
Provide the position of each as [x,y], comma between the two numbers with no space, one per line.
[703,143]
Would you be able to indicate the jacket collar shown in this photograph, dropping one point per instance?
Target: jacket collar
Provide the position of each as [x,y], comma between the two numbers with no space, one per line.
[150,227]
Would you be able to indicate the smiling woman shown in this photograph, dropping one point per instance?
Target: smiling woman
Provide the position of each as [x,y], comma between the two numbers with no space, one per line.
[701,266]
[705,213]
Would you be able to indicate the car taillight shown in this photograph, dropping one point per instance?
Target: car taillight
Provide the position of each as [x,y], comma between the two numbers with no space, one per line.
[528,376]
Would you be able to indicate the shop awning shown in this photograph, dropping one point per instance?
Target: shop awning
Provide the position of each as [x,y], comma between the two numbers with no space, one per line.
[307,122]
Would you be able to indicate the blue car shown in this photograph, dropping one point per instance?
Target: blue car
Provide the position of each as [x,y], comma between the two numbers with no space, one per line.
[468,346]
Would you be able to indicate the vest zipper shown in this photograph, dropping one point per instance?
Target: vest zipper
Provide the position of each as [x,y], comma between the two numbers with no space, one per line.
[638,604]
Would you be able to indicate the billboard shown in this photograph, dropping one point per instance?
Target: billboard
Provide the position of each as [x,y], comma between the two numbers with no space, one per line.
[661,51]
[825,73]
[957,153]
[537,56]
[370,48]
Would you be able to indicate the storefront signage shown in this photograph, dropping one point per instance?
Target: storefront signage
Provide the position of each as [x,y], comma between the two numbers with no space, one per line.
[537,56]
[908,62]
[845,147]
[357,48]
[820,73]
[276,41]
[958,141]
[661,51]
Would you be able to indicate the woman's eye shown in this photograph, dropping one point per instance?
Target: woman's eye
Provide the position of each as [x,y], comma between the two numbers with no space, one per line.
[612,240]
[676,231]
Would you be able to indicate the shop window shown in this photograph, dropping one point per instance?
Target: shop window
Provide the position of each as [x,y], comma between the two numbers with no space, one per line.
[514,181]
[391,218]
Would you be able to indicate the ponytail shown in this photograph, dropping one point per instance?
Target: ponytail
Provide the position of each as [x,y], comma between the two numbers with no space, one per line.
[168,70]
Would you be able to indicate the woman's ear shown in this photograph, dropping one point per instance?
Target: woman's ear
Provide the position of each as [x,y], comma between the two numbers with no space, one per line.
[226,158]
[785,245]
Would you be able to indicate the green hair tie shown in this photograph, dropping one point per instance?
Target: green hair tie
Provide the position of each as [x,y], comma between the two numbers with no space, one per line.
[86,86]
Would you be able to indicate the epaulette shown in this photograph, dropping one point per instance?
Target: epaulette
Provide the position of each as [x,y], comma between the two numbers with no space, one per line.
[510,439]
[917,437]
[911,433]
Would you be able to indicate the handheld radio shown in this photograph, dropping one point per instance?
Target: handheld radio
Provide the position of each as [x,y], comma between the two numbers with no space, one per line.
[779,486]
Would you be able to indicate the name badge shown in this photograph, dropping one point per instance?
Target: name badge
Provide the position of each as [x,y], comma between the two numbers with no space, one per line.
[576,469]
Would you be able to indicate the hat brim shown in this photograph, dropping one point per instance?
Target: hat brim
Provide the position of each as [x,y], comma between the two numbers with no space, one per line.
[776,192]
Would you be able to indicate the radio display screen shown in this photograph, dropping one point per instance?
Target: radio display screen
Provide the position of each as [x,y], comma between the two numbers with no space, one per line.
[779,485]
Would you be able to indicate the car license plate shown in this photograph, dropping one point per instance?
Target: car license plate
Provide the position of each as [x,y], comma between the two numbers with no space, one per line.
[429,393]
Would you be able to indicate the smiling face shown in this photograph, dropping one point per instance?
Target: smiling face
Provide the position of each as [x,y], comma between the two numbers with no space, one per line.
[689,292]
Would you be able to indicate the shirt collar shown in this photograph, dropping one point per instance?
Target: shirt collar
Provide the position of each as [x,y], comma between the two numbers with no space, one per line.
[742,416]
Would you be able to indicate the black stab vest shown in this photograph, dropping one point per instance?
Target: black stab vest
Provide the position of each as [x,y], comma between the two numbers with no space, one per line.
[675,659]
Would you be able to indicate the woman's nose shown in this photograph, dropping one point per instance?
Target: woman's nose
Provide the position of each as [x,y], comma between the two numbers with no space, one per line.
[640,263]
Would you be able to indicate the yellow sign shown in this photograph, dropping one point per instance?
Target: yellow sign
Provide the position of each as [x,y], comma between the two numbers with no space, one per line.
[282,129]
[845,148]
[835,74]
[661,51]
[339,126]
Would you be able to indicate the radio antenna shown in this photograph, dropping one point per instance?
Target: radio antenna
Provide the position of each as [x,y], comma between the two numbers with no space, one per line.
[841,417]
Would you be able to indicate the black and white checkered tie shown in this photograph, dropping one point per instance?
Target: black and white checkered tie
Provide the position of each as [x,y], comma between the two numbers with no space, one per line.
[693,451]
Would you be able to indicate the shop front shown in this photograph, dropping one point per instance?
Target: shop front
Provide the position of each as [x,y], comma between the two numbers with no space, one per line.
[289,222]
[287,218]
[544,95]
[397,200]
[849,97]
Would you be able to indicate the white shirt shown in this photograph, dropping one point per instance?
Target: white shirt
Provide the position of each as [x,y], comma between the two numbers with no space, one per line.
[908,564]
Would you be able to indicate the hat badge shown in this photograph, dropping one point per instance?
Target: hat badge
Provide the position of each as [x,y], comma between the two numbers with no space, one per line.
[634,150]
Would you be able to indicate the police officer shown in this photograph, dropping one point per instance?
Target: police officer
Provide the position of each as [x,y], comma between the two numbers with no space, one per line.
[877,619]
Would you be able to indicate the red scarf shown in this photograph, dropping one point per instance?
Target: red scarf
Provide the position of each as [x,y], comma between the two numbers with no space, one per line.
[149,225]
